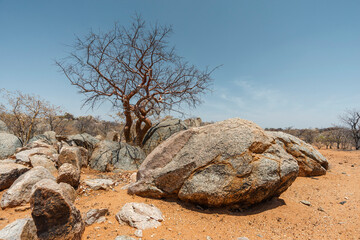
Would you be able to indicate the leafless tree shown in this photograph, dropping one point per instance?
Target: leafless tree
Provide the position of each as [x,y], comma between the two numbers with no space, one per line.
[352,120]
[136,69]
[24,112]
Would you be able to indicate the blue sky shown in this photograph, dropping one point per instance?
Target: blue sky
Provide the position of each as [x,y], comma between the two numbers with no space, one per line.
[285,63]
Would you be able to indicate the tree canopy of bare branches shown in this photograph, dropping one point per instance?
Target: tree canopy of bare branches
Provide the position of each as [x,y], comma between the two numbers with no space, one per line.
[135,68]
[352,119]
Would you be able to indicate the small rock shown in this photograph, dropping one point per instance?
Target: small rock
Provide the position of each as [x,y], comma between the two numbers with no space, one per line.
[139,233]
[21,229]
[95,215]
[97,184]
[321,209]
[342,202]
[307,203]
[242,238]
[259,235]
[22,209]
[208,238]
[124,237]
[352,165]
[69,174]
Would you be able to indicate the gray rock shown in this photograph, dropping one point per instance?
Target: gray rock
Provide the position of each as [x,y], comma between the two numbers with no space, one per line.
[43,161]
[21,229]
[70,155]
[193,122]
[160,132]
[229,162]
[124,237]
[307,203]
[83,140]
[3,127]
[95,216]
[54,214]
[97,184]
[242,238]
[311,162]
[68,191]
[48,137]
[9,172]
[140,215]
[8,144]
[139,233]
[24,154]
[20,191]
[109,155]
[70,174]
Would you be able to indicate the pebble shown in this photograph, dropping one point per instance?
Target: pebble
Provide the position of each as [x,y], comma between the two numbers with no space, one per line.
[321,209]
[242,238]
[138,233]
[307,203]
[208,238]
[342,203]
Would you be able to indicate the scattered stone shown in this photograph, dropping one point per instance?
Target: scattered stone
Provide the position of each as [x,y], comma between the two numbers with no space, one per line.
[208,238]
[307,203]
[68,191]
[225,163]
[109,156]
[9,172]
[95,216]
[242,238]
[20,191]
[70,155]
[8,144]
[352,165]
[140,215]
[54,214]
[139,233]
[97,184]
[22,209]
[43,161]
[160,132]
[342,202]
[69,174]
[311,162]
[321,209]
[21,229]
[259,235]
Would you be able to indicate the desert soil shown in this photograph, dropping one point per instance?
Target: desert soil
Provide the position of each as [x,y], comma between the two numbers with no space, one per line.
[334,212]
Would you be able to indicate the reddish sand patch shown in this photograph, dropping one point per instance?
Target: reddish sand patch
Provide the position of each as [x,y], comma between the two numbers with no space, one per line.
[280,218]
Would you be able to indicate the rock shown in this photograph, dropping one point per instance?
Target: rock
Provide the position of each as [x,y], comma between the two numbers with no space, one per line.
[70,174]
[226,163]
[9,172]
[21,229]
[70,155]
[84,156]
[48,137]
[193,122]
[68,191]
[96,216]
[113,136]
[54,214]
[138,233]
[124,237]
[20,191]
[83,140]
[342,202]
[242,238]
[3,127]
[311,162]
[160,132]
[140,215]
[97,184]
[307,203]
[24,154]
[43,161]
[8,144]
[109,155]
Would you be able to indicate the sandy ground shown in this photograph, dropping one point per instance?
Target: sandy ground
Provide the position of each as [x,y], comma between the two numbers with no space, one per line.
[334,212]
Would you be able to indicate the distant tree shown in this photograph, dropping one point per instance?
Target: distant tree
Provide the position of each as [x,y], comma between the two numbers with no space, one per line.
[352,120]
[24,112]
[137,70]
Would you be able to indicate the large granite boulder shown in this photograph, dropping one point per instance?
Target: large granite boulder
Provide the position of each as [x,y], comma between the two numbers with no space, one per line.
[43,161]
[48,137]
[110,155]
[160,132]
[8,144]
[311,162]
[21,229]
[69,174]
[232,161]
[70,155]
[83,140]
[54,214]
[20,191]
[9,172]
[24,154]
[3,127]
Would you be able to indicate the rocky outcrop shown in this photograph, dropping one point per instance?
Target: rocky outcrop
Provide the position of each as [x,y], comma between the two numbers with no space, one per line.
[70,155]
[48,137]
[55,217]
[20,191]
[160,132]
[140,215]
[21,229]
[69,174]
[8,144]
[229,162]
[109,156]
[3,127]
[39,148]
[9,172]
[193,122]
[43,161]
[311,162]
[82,140]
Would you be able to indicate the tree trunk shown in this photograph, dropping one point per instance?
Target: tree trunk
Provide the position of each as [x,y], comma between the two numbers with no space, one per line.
[141,131]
